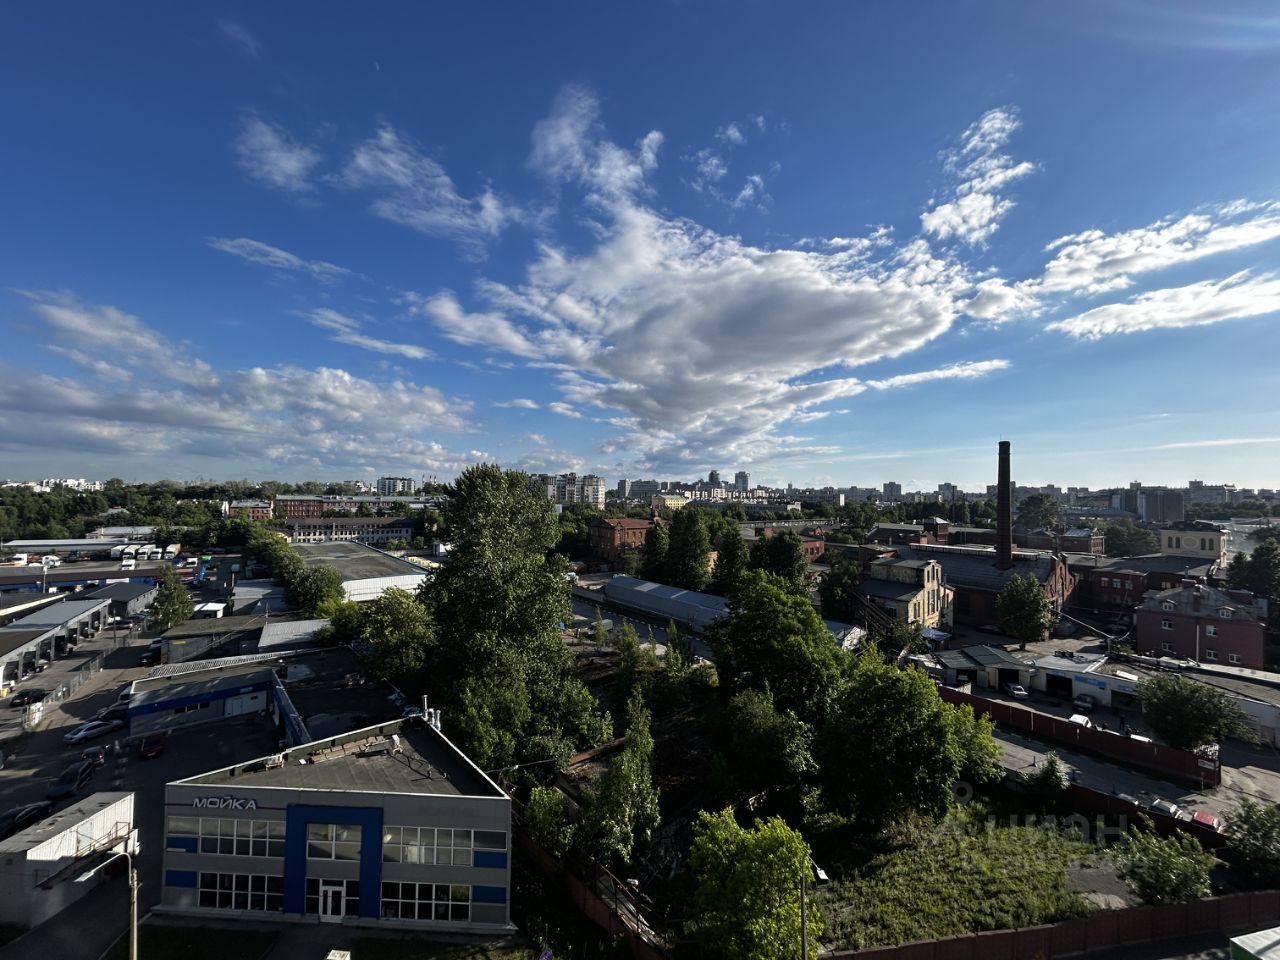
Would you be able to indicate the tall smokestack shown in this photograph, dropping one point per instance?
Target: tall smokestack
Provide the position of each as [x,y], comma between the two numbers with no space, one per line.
[1004,512]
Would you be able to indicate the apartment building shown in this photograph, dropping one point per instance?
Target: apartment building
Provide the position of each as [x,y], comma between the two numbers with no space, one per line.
[1196,622]
[372,531]
[392,486]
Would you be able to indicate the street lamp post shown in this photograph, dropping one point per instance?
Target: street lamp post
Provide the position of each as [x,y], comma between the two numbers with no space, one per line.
[133,895]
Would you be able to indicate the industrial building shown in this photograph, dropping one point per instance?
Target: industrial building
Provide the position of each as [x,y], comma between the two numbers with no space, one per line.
[74,576]
[127,599]
[46,634]
[41,866]
[387,826]
[366,573]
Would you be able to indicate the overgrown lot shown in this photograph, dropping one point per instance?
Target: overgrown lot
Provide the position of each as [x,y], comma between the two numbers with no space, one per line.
[959,876]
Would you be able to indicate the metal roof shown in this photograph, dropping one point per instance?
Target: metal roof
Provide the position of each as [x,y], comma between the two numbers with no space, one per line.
[57,615]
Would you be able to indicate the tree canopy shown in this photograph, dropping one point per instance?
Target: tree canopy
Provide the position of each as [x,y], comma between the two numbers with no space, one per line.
[1185,713]
[747,902]
[620,810]
[1173,869]
[890,747]
[1125,539]
[838,589]
[688,562]
[782,554]
[1025,611]
[1039,511]
[1253,837]
[764,748]
[774,640]
[656,543]
[172,604]
[316,591]
[394,634]
[731,562]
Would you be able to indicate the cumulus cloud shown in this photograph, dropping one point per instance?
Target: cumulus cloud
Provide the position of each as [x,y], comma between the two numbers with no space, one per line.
[414,190]
[695,344]
[348,330]
[270,156]
[998,300]
[174,405]
[977,204]
[255,251]
[711,167]
[1234,298]
[564,410]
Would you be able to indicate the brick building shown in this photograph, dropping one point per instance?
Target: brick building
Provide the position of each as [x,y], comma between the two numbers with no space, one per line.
[1196,622]
[253,509]
[909,591]
[373,531]
[608,539]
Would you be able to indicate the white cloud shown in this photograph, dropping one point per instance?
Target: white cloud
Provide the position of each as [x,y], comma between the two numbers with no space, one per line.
[996,300]
[1219,442]
[974,211]
[348,330]
[1234,298]
[239,37]
[731,134]
[174,406]
[564,410]
[268,256]
[537,438]
[696,345]
[519,403]
[958,371]
[269,155]
[1097,262]
[415,191]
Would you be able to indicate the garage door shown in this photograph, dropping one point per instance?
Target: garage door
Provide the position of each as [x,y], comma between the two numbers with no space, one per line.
[246,703]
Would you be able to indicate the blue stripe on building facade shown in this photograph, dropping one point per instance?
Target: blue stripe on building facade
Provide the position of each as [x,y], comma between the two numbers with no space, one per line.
[169,705]
[486,894]
[369,819]
[179,878]
[185,844]
[489,858]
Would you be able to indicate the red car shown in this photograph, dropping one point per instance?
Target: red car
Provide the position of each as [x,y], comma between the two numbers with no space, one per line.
[152,745]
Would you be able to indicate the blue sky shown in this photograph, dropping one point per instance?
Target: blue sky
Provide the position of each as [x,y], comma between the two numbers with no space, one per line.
[825,243]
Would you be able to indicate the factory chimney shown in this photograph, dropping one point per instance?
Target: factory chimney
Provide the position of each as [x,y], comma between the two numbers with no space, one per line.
[1004,512]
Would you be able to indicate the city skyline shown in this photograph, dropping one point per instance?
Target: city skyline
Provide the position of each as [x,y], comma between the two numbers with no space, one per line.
[841,245]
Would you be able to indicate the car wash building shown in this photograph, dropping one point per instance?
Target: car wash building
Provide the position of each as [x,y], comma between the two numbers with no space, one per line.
[389,826]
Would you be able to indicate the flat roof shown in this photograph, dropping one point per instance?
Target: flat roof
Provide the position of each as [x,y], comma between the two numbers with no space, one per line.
[289,634]
[363,761]
[54,616]
[207,626]
[889,589]
[121,591]
[61,821]
[1074,663]
[354,561]
[11,640]
[79,572]
[163,689]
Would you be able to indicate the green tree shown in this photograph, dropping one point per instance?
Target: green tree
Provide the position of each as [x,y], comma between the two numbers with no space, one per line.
[1185,713]
[1253,837]
[747,902]
[172,604]
[1047,781]
[546,817]
[688,552]
[1173,869]
[980,753]
[1039,511]
[731,562]
[394,635]
[774,640]
[1125,539]
[839,589]
[656,543]
[620,810]
[500,669]
[1260,574]
[1025,610]
[782,555]
[764,748]
[889,747]
[316,591]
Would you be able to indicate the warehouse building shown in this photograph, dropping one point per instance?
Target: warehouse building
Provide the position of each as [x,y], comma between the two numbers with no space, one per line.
[127,599]
[388,826]
[40,868]
[46,635]
[366,573]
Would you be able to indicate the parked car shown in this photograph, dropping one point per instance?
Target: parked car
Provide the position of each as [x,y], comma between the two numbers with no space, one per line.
[1080,720]
[150,657]
[117,711]
[152,745]
[94,728]
[19,818]
[1169,809]
[97,754]
[24,697]
[1016,690]
[1206,819]
[1085,703]
[71,780]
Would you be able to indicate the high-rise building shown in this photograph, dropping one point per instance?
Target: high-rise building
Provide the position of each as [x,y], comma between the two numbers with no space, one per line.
[742,481]
[624,488]
[892,492]
[394,486]
[713,477]
[948,491]
[566,488]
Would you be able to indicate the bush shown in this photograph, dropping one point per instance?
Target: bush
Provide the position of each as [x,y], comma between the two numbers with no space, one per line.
[1173,869]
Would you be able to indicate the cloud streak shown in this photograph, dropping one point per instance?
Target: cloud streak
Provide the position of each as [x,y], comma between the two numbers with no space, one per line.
[265,255]
[269,156]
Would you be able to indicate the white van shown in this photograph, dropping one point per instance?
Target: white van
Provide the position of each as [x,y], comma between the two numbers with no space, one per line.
[128,563]
[1080,720]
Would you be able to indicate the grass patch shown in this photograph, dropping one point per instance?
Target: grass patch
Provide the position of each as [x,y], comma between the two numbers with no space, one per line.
[414,948]
[960,876]
[195,943]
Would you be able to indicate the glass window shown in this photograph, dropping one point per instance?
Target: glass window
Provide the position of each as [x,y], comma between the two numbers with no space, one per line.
[184,826]
[1233,657]
[491,840]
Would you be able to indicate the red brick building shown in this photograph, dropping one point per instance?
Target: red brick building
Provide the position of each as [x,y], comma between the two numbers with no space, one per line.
[610,538]
[253,509]
[1196,622]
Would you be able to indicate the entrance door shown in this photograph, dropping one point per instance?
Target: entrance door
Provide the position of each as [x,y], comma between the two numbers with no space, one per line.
[331,902]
